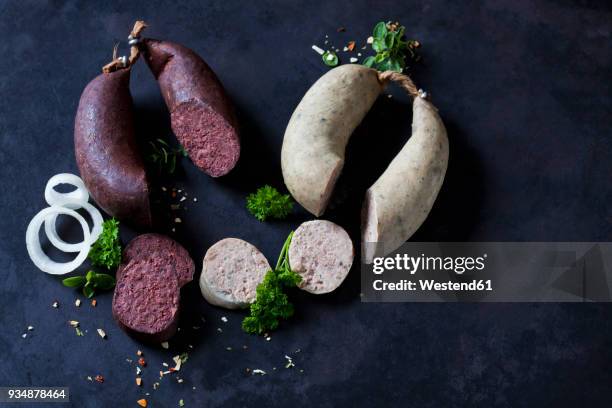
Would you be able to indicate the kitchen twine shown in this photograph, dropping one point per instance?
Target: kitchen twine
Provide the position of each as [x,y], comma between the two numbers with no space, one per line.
[403,81]
[133,41]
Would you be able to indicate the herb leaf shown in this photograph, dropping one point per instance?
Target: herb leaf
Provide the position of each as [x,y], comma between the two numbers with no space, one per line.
[267,202]
[106,251]
[88,291]
[161,155]
[380,30]
[330,58]
[103,281]
[391,48]
[74,281]
[272,304]
[90,282]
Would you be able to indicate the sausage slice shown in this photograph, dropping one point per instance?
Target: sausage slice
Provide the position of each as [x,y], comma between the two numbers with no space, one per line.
[321,252]
[231,271]
[147,295]
[163,247]
[146,299]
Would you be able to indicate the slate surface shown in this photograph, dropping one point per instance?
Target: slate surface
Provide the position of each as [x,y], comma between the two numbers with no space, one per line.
[525,91]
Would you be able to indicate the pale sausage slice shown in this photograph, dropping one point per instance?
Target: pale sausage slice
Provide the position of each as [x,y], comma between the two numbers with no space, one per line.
[321,252]
[231,271]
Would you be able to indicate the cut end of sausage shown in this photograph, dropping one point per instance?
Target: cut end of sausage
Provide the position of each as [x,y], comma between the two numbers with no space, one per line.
[369,228]
[162,247]
[146,299]
[321,252]
[211,142]
[231,271]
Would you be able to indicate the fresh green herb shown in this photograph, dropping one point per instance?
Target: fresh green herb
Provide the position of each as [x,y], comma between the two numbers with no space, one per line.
[75,282]
[330,58]
[78,331]
[391,48]
[272,304]
[267,202]
[164,156]
[91,282]
[106,251]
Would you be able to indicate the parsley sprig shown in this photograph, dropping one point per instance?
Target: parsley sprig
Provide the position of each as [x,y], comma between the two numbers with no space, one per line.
[267,202]
[106,251]
[272,304]
[391,48]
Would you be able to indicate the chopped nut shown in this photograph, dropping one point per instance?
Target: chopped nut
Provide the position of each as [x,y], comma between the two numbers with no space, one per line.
[195,200]
[138,371]
[94,302]
[224,319]
[139,353]
[77,302]
[102,333]
[73,323]
[55,304]
[177,220]
[165,345]
[258,371]
[138,381]
[142,402]
[89,378]
[24,335]
[370,40]
[30,328]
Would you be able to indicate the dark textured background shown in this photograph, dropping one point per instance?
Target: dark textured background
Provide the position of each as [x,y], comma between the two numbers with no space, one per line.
[525,91]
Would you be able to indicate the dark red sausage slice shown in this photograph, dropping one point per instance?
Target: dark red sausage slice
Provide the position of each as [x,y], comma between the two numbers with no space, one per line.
[146,300]
[161,246]
[201,114]
[147,295]
[106,150]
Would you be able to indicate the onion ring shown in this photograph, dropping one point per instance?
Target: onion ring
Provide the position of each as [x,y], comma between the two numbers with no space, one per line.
[40,259]
[79,195]
[56,241]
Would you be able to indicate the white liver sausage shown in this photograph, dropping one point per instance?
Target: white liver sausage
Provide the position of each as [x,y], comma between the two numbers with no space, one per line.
[400,200]
[231,271]
[321,252]
[312,156]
